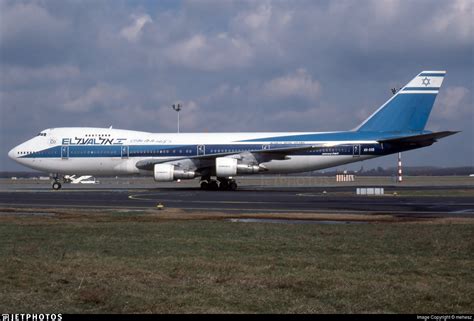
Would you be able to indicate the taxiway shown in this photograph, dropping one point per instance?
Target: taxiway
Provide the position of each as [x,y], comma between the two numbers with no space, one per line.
[262,199]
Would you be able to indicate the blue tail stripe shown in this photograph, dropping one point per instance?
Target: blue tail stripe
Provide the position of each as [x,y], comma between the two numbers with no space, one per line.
[432,75]
[420,88]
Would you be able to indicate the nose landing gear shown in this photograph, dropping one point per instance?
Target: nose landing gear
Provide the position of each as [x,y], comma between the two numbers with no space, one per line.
[56,185]
[56,182]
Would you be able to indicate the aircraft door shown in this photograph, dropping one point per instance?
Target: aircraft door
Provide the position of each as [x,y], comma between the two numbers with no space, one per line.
[356,150]
[201,150]
[64,152]
[124,151]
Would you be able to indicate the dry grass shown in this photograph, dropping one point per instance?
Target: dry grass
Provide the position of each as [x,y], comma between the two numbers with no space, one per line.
[58,215]
[154,262]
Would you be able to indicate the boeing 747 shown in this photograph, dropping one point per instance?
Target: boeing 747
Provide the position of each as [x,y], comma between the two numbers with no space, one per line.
[216,158]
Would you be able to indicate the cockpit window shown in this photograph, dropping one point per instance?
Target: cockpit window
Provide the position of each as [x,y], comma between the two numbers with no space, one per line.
[41,134]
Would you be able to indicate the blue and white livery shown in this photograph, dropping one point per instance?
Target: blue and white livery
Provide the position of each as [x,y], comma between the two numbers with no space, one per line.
[398,125]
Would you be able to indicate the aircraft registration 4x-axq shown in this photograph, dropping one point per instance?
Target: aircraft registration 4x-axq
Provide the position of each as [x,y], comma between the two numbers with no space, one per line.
[397,126]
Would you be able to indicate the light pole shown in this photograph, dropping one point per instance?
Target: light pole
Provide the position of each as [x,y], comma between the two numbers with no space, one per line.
[177,108]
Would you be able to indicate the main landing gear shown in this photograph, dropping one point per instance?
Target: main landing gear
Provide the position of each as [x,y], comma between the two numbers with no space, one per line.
[221,184]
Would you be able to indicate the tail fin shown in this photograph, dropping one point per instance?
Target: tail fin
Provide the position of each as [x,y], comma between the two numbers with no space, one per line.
[409,108]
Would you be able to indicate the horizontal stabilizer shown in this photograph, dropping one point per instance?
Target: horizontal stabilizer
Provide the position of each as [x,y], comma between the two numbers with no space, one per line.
[415,139]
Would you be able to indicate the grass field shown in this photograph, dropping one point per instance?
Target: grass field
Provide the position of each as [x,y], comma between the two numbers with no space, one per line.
[138,262]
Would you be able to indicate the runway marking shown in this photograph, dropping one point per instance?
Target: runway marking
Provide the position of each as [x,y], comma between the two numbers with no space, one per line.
[62,191]
[245,210]
[468,211]
[134,197]
[313,194]
[71,206]
[185,208]
[139,198]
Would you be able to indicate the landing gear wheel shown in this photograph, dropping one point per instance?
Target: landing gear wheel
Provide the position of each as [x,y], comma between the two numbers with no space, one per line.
[223,185]
[232,186]
[56,186]
[204,185]
[213,185]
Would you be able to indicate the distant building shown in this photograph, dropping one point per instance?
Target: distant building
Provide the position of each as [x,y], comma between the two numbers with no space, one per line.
[345,177]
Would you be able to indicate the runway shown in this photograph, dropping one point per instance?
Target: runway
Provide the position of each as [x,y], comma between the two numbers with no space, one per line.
[245,200]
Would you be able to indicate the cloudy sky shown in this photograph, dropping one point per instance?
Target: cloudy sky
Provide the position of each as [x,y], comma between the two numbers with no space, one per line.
[234,65]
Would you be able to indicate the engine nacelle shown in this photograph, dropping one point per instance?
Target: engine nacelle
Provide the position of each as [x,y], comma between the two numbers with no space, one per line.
[168,173]
[226,166]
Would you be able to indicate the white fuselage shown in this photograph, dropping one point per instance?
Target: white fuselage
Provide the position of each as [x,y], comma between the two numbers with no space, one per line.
[102,151]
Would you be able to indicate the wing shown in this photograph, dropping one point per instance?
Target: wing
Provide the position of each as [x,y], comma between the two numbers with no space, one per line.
[200,161]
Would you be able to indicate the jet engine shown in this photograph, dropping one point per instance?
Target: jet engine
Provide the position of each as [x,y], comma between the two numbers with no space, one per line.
[168,173]
[226,166]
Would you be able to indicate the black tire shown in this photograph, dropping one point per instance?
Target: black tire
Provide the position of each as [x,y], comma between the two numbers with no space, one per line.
[213,185]
[56,186]
[204,185]
[224,186]
[232,186]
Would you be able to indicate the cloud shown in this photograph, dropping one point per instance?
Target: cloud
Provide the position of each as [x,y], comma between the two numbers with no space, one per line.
[265,28]
[453,103]
[210,53]
[100,95]
[14,76]
[297,84]
[385,11]
[235,65]
[133,31]
[455,19]
[255,19]
[31,34]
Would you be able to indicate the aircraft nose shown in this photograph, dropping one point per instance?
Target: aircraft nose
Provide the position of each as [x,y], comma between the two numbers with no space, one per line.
[12,153]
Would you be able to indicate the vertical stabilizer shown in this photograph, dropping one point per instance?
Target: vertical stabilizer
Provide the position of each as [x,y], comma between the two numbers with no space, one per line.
[409,109]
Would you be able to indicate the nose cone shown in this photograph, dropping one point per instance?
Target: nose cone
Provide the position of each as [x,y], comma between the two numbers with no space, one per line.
[12,153]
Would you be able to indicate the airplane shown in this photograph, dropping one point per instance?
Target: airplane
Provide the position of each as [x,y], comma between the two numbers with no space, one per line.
[216,158]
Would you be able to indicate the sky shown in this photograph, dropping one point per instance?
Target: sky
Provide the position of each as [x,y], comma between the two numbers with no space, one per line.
[233,65]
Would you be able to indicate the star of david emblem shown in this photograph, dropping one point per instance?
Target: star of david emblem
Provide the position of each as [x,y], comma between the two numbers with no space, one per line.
[426,81]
